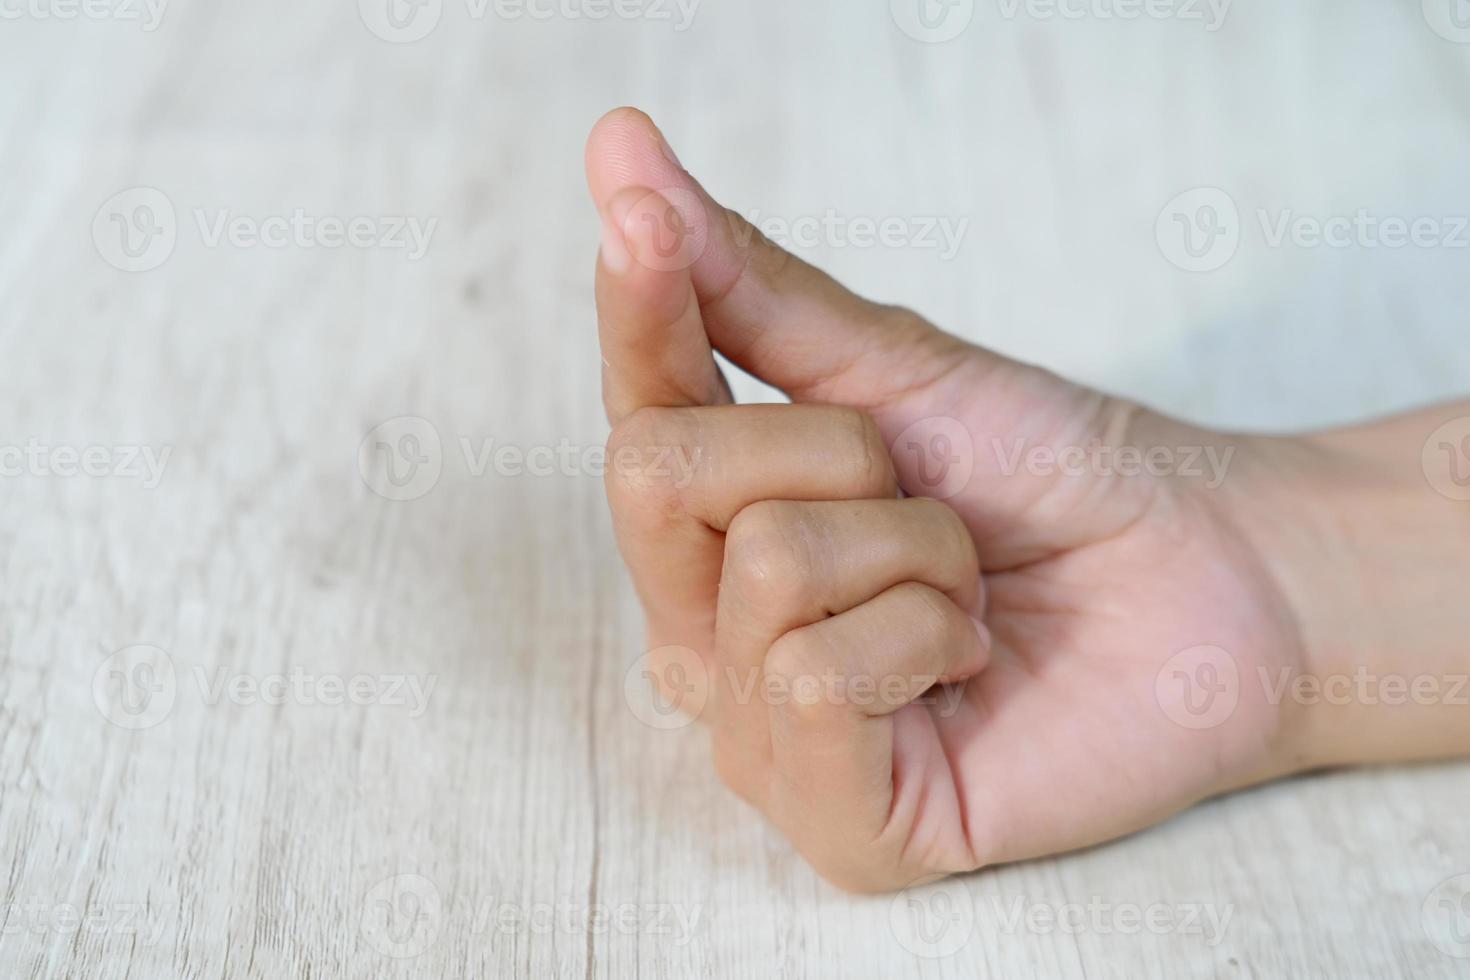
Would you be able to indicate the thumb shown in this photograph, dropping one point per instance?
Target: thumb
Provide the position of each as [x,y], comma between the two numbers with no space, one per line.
[768,311]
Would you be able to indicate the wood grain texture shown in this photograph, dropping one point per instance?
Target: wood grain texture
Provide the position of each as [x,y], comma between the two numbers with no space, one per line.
[237,838]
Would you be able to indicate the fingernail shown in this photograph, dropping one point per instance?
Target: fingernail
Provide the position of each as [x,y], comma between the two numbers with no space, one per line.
[984,631]
[615,255]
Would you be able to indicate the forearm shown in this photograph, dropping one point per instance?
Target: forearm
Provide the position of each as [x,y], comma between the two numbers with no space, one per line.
[1374,557]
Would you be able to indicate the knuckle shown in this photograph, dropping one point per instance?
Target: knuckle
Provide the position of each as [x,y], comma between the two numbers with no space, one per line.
[861,445]
[903,321]
[768,554]
[801,665]
[953,533]
[640,475]
[930,613]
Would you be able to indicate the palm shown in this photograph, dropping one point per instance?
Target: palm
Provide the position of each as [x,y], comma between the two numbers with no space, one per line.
[1086,709]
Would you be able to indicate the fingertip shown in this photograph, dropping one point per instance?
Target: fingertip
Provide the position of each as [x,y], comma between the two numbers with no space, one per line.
[626,149]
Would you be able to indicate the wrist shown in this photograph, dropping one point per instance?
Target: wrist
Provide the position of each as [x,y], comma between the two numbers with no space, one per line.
[1372,562]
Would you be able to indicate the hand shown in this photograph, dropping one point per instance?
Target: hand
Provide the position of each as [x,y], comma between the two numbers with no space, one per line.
[1053,656]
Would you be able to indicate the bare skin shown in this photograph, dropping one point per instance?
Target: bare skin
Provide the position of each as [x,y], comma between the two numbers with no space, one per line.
[912,687]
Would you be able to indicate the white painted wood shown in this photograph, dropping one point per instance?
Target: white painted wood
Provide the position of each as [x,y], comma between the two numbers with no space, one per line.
[246,840]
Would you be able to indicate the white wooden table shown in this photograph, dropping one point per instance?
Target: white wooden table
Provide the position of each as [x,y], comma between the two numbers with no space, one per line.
[476,797]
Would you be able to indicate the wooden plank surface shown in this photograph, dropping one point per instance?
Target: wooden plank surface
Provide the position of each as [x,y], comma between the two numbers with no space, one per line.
[483,799]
